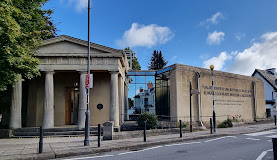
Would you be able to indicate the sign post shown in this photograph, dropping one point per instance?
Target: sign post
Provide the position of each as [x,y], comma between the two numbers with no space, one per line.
[87,125]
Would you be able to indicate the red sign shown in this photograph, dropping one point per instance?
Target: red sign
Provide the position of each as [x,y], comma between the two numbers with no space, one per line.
[89,81]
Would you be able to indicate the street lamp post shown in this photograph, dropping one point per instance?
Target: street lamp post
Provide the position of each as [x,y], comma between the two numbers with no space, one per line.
[87,129]
[214,119]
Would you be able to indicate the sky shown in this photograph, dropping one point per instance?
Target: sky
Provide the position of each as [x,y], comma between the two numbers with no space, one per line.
[236,36]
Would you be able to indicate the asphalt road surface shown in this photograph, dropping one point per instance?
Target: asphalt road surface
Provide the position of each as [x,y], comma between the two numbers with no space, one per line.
[254,146]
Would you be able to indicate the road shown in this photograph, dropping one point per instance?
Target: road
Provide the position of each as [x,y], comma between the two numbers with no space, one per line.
[254,146]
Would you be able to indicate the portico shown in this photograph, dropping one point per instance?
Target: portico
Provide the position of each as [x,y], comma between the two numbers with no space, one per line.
[58,96]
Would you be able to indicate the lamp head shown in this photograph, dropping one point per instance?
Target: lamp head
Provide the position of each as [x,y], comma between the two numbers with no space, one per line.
[212,67]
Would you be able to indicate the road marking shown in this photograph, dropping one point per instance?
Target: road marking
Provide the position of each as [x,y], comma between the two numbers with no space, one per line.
[178,144]
[253,139]
[220,138]
[272,136]
[151,148]
[127,153]
[259,133]
[261,156]
[140,150]
[91,157]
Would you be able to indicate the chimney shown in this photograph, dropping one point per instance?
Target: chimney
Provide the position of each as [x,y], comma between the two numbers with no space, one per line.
[150,85]
[272,71]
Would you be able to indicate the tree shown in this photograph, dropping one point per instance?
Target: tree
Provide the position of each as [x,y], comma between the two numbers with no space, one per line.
[157,61]
[135,63]
[23,26]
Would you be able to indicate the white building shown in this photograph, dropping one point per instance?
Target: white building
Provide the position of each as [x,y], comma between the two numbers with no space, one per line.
[145,99]
[269,77]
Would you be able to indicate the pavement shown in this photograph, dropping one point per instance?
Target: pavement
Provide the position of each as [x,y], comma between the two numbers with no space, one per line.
[74,146]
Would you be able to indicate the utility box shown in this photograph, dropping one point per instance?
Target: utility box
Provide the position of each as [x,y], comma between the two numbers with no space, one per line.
[108,130]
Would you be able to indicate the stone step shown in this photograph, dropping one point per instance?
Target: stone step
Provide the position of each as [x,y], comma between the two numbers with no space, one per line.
[53,136]
[56,129]
[64,131]
[53,133]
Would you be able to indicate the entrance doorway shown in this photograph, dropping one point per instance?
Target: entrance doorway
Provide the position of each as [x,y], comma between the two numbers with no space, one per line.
[71,106]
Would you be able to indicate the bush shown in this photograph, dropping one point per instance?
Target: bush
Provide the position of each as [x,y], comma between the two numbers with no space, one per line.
[184,125]
[151,120]
[225,124]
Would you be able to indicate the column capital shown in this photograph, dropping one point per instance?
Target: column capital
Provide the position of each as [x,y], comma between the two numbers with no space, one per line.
[83,72]
[49,72]
[113,72]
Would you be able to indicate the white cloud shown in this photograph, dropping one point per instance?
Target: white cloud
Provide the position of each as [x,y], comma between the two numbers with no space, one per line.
[218,62]
[145,36]
[215,37]
[258,56]
[239,36]
[213,20]
[79,5]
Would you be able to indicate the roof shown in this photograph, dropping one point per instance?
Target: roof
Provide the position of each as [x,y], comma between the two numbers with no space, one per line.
[270,78]
[67,38]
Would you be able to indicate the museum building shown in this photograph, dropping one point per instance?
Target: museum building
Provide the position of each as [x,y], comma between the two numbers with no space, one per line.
[58,98]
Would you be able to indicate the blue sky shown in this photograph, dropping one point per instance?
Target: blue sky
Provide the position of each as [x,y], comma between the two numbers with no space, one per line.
[236,36]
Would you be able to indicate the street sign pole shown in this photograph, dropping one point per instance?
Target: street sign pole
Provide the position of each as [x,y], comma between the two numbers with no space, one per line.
[87,128]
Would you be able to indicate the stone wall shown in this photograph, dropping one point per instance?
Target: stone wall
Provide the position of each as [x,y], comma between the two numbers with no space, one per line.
[234,94]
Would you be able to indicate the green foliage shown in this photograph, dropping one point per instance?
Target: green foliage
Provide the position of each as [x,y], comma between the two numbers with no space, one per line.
[184,125]
[237,118]
[225,124]
[135,63]
[151,120]
[157,61]
[23,26]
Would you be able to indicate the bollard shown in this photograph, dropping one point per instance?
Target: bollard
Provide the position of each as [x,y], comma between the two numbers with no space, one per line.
[99,135]
[274,142]
[144,132]
[181,132]
[40,150]
[211,125]
[275,119]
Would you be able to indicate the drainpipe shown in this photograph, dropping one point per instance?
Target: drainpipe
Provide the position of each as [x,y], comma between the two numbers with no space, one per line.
[199,98]
[254,97]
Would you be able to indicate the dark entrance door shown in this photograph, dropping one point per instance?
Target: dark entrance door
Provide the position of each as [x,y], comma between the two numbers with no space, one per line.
[71,106]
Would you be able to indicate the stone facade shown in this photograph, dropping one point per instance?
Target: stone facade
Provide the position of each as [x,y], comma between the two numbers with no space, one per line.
[234,94]
[58,97]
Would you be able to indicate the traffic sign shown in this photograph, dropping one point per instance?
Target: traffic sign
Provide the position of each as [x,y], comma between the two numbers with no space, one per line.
[89,81]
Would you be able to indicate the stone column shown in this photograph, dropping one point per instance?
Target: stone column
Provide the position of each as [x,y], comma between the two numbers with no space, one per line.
[123,100]
[82,101]
[15,119]
[114,105]
[48,108]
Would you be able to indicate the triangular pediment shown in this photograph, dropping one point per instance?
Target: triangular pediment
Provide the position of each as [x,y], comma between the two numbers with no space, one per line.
[66,45]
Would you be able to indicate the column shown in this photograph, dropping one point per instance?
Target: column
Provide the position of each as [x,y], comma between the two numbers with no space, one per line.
[114,105]
[123,100]
[82,101]
[48,108]
[15,119]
